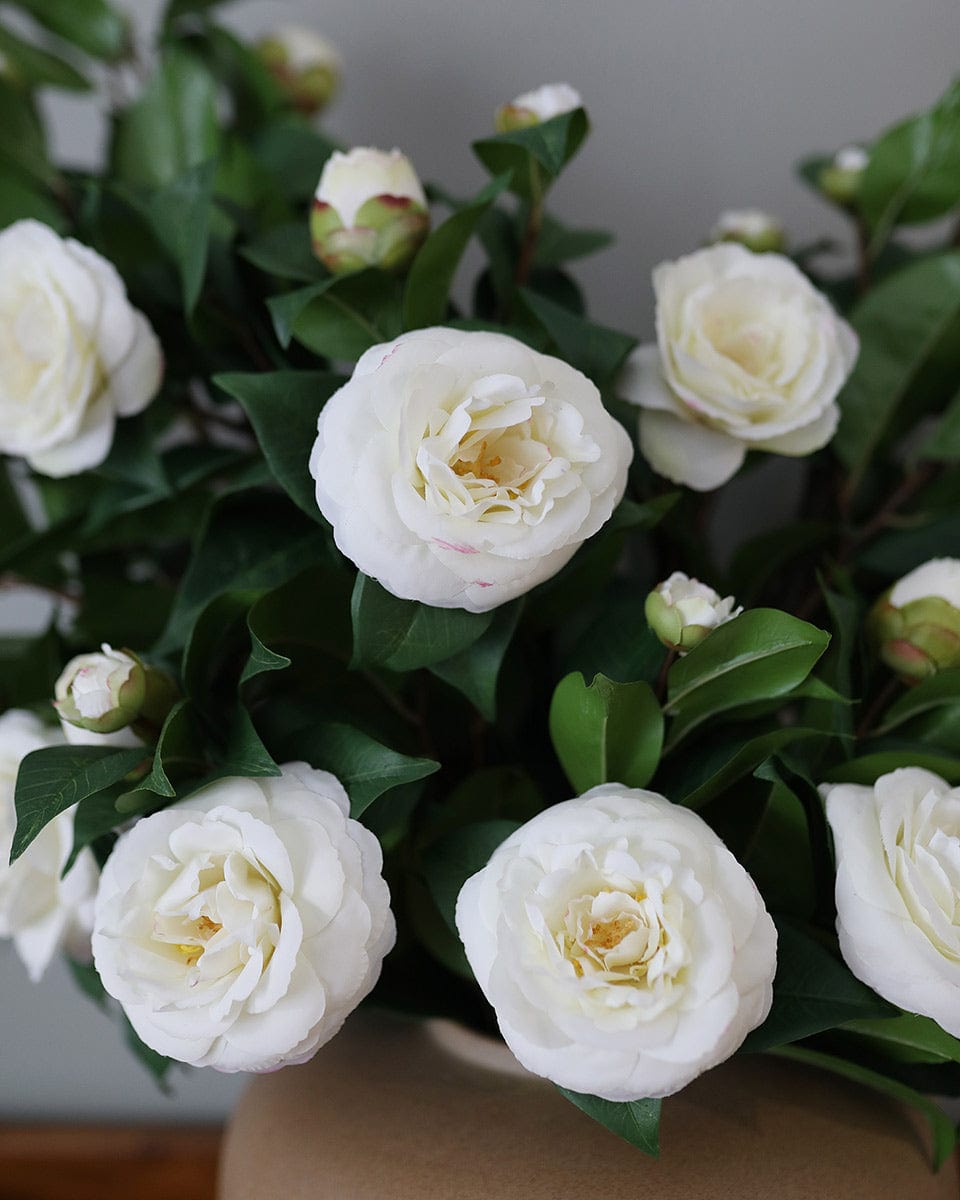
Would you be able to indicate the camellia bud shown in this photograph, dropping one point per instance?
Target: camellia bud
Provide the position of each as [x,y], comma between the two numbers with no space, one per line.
[305,65]
[681,611]
[916,624]
[751,227]
[840,180]
[107,691]
[539,105]
[369,211]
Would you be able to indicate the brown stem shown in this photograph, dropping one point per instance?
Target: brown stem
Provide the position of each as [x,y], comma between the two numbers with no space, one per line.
[880,702]
[661,686]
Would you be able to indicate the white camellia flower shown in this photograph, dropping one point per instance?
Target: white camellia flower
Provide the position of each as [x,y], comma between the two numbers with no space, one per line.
[241,927]
[749,356]
[538,105]
[101,692]
[462,469]
[681,611]
[41,912]
[898,889]
[369,209]
[74,353]
[622,946]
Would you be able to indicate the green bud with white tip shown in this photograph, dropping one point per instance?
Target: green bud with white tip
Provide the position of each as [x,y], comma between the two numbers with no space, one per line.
[916,623]
[305,65]
[369,210]
[681,611]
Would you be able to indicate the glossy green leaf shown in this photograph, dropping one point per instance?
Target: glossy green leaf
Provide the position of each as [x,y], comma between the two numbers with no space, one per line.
[94,26]
[739,759]
[181,215]
[548,146]
[365,767]
[427,291]
[55,778]
[943,444]
[594,349]
[179,755]
[557,244]
[455,857]
[283,407]
[812,991]
[294,153]
[172,127]
[404,634]
[340,317]
[941,1127]
[636,1121]
[868,768]
[940,689]
[909,1037]
[901,323]
[914,170]
[607,732]
[475,670]
[763,653]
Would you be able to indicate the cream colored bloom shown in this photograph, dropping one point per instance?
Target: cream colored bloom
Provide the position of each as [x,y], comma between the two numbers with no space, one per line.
[41,912]
[621,945]
[462,469]
[749,356]
[74,354]
[239,928]
[101,692]
[898,889]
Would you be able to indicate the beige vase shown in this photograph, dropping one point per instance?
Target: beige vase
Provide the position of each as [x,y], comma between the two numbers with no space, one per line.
[393,1109]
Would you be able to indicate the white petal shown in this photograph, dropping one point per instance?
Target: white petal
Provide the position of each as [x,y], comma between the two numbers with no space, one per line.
[686,453]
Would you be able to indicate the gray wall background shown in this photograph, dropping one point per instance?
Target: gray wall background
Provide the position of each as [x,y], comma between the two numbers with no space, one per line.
[697,105]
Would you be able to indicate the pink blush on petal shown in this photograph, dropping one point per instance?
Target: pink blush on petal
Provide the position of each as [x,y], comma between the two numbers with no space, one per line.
[459,549]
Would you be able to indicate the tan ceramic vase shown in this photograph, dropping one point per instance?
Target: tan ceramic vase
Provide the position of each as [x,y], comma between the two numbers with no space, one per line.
[396,1110]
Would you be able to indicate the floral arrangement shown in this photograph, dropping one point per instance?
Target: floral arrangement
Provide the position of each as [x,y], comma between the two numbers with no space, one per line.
[410,684]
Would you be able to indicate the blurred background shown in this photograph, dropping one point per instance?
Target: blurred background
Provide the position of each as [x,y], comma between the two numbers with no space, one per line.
[697,106]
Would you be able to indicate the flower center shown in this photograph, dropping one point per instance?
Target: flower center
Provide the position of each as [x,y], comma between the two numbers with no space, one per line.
[203,930]
[616,936]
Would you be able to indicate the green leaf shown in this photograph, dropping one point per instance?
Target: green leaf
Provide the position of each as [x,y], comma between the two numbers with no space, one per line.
[914,170]
[365,767]
[739,759]
[183,8]
[869,767]
[942,688]
[787,882]
[87,979]
[340,317]
[29,667]
[404,634]
[909,1037]
[941,1127]
[22,144]
[249,540]
[55,778]
[181,213]
[759,655]
[262,660]
[595,350]
[95,817]
[812,992]
[557,244]
[244,753]
[294,153]
[607,732]
[636,1121]
[901,324]
[20,200]
[39,68]
[897,552]
[475,671]
[452,859]
[427,291]
[550,145]
[172,127]
[285,251]
[179,755]
[283,407]
[943,444]
[94,26]
[155,1063]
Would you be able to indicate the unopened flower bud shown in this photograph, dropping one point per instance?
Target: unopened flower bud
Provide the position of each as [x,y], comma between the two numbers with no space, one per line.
[369,211]
[109,691]
[751,227]
[539,105]
[305,65]
[681,611]
[840,179]
[916,624]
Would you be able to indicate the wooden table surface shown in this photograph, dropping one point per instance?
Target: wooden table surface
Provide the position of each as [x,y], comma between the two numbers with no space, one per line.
[99,1162]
